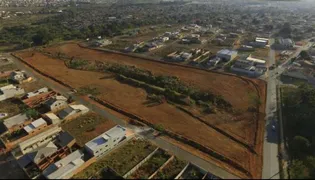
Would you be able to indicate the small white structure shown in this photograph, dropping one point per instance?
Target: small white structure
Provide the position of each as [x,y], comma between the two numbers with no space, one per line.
[18,76]
[72,110]
[35,125]
[16,122]
[66,167]
[227,55]
[10,91]
[256,61]
[52,118]
[37,92]
[106,141]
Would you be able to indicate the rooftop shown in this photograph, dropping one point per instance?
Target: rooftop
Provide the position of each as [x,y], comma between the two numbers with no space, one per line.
[63,168]
[39,91]
[227,52]
[35,124]
[15,120]
[116,131]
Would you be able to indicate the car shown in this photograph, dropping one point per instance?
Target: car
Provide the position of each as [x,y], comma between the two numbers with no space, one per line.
[3,115]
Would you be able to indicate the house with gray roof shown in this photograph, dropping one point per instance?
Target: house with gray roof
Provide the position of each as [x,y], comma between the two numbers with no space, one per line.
[16,122]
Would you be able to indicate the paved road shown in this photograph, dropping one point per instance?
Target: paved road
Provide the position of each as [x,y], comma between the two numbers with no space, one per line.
[271,141]
[183,154]
[271,163]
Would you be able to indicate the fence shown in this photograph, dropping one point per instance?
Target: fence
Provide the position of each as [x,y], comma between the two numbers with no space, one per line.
[160,168]
[136,167]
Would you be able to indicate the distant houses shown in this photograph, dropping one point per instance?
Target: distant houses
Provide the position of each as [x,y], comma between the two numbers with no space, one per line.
[10,91]
[227,55]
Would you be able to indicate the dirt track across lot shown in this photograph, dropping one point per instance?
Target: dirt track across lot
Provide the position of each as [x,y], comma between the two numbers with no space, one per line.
[232,88]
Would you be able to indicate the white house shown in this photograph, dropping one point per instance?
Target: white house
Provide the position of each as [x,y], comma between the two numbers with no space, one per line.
[37,92]
[35,126]
[56,103]
[227,55]
[66,167]
[18,76]
[10,91]
[101,145]
[72,110]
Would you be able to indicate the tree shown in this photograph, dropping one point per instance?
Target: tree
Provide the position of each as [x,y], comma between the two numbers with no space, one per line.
[305,55]
[42,36]
[300,146]
[298,170]
[31,113]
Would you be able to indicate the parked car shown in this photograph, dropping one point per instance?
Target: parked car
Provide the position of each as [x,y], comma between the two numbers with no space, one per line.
[3,115]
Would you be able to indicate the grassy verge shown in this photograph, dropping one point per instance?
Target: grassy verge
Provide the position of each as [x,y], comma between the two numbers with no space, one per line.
[121,160]
[149,167]
[171,170]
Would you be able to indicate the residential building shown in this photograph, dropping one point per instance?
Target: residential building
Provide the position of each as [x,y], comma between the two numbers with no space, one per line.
[16,122]
[37,92]
[10,91]
[17,76]
[66,167]
[227,55]
[214,61]
[39,140]
[72,111]
[56,103]
[246,67]
[282,44]
[255,60]
[35,126]
[51,118]
[106,141]
[45,155]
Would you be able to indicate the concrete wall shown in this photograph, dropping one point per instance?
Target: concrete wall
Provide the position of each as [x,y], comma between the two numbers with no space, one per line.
[136,167]
[158,170]
[181,173]
[85,165]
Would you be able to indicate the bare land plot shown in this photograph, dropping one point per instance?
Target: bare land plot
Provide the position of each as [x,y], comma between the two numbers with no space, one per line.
[120,160]
[87,127]
[233,89]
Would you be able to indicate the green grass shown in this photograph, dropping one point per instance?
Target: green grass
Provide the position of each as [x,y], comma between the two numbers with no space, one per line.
[171,170]
[149,167]
[120,160]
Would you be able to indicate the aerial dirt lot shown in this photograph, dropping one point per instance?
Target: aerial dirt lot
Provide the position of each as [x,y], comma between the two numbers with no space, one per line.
[232,88]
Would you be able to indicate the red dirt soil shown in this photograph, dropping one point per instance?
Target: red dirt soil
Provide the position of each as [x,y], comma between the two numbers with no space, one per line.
[232,88]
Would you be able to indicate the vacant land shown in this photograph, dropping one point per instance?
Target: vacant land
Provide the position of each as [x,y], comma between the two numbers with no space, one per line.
[120,160]
[87,127]
[10,106]
[149,167]
[171,170]
[241,124]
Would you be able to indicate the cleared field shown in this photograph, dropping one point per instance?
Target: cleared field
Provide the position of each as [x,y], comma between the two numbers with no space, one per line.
[233,89]
[120,160]
[87,127]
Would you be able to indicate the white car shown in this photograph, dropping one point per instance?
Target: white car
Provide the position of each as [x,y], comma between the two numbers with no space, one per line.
[3,115]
